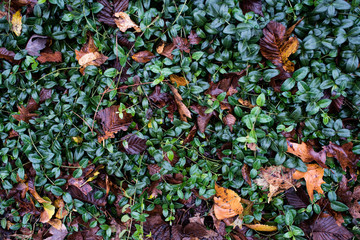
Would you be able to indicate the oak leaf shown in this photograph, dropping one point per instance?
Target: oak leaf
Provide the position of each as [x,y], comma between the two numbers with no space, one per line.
[251,5]
[313,178]
[179,80]
[124,22]
[143,56]
[16,23]
[226,203]
[35,44]
[50,57]
[306,152]
[183,110]
[89,55]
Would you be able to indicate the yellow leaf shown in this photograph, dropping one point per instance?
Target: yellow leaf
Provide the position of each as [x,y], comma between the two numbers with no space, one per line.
[56,223]
[261,227]
[180,81]
[246,103]
[49,211]
[227,203]
[124,22]
[16,23]
[313,178]
[78,139]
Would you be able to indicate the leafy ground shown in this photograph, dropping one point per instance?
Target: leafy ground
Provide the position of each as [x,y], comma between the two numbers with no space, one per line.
[179,119]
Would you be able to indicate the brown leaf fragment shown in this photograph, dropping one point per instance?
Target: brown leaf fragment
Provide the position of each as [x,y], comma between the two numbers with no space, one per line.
[16,23]
[81,184]
[13,134]
[143,56]
[191,135]
[136,145]
[203,118]
[251,6]
[35,44]
[159,98]
[344,155]
[325,227]
[179,80]
[90,197]
[24,115]
[350,198]
[32,190]
[166,49]
[3,14]
[182,44]
[8,55]
[297,197]
[227,203]
[229,120]
[183,110]
[57,234]
[306,152]
[199,231]
[111,122]
[153,169]
[245,172]
[106,15]
[50,57]
[124,22]
[246,103]
[313,177]
[194,39]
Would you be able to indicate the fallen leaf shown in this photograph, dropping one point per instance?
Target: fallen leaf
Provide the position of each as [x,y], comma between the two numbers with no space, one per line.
[246,103]
[24,115]
[306,152]
[35,44]
[262,227]
[229,121]
[50,57]
[325,227]
[111,122]
[191,135]
[276,47]
[89,55]
[276,178]
[313,177]
[106,15]
[183,110]
[245,172]
[194,39]
[182,44]
[251,6]
[350,198]
[226,203]
[180,81]
[32,190]
[56,223]
[81,184]
[16,23]
[124,22]
[57,234]
[8,55]
[166,49]
[143,56]
[3,14]
[136,145]
[49,211]
[297,197]
[89,198]
[344,155]
[77,139]
[203,118]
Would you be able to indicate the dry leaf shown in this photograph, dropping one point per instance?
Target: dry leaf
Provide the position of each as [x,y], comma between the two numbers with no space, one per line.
[325,227]
[191,135]
[261,227]
[16,23]
[182,44]
[226,203]
[246,103]
[24,115]
[229,120]
[35,44]
[183,110]
[32,190]
[57,234]
[8,55]
[203,118]
[306,152]
[49,211]
[276,178]
[313,177]
[245,172]
[136,145]
[166,50]
[56,223]
[180,81]
[3,14]
[194,39]
[124,22]
[89,55]
[50,57]
[143,56]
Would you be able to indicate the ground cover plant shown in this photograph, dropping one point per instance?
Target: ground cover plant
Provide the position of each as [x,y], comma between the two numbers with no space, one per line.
[164,119]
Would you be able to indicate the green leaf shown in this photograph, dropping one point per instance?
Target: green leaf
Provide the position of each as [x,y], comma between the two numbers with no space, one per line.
[339,206]
[301,73]
[111,72]
[260,100]
[288,84]
[197,55]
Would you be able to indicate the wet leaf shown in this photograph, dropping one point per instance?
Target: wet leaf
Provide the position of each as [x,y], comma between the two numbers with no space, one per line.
[166,49]
[57,234]
[226,203]
[262,227]
[182,44]
[124,22]
[8,55]
[24,115]
[16,23]
[297,197]
[49,211]
[313,177]
[136,145]
[32,190]
[143,56]
[194,39]
[325,227]
[245,172]
[251,6]
[179,80]
[203,118]
[106,15]
[191,135]
[50,57]
[35,44]
[306,152]
[229,120]
[183,110]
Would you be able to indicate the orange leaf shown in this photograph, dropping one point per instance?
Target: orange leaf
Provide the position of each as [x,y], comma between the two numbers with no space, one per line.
[227,203]
[262,227]
[50,57]
[306,152]
[313,177]
[166,50]
[180,81]
[246,103]
[16,23]
[143,56]
[124,22]
[183,110]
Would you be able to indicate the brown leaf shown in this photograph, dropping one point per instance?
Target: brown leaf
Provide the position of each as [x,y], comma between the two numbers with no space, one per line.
[183,110]
[166,49]
[50,57]
[32,190]
[191,135]
[203,118]
[306,152]
[57,234]
[251,6]
[159,98]
[3,14]
[180,81]
[124,22]
[90,197]
[276,47]
[226,203]
[153,169]
[81,184]
[194,39]
[182,44]
[297,197]
[325,227]
[246,103]
[245,172]
[136,145]
[111,122]
[143,56]
[276,178]
[48,213]
[35,44]
[106,15]
[24,115]
[229,120]
[313,177]
[8,55]
[350,198]
[16,23]
[344,155]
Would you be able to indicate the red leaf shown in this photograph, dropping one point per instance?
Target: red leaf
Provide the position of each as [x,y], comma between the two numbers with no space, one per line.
[251,5]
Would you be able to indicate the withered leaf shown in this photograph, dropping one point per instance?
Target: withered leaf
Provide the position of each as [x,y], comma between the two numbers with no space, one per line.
[143,56]
[49,211]
[325,227]
[90,197]
[194,39]
[179,80]
[245,172]
[262,227]
[246,103]
[16,23]
[32,190]
[191,135]
[136,145]
[229,120]
[182,44]
[111,122]
[159,98]
[227,203]
[106,15]
[24,115]
[251,5]
[81,184]
[306,152]
[203,118]
[50,57]
[183,110]
[350,198]
[35,44]
[124,22]
[313,177]
[57,234]
[8,55]
[166,49]
[297,197]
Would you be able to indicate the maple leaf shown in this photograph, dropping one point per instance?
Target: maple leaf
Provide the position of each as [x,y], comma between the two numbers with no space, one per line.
[111,122]
[50,57]
[24,115]
[16,23]
[227,203]
[143,56]
[203,118]
[306,152]
[182,44]
[183,110]
[194,39]
[325,227]
[135,144]
[89,55]
[313,178]
[276,47]
[8,55]
[276,178]
[35,44]
[124,22]
[166,49]
[251,6]
[344,155]
[180,81]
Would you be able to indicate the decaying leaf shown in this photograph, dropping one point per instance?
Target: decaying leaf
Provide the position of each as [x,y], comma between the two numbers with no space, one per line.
[203,118]
[166,49]
[35,44]
[32,190]
[276,47]
[50,57]
[106,15]
[182,44]
[245,172]
[350,198]
[8,55]
[344,155]
[57,234]
[191,135]
[124,22]
[135,144]
[325,227]
[183,110]
[89,55]
[61,212]
[179,80]
[24,115]
[81,184]
[297,197]
[229,120]
[306,152]
[251,5]
[48,213]
[313,177]
[143,56]
[246,103]
[16,23]
[227,203]
[111,122]
[194,39]
[276,178]
[262,227]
